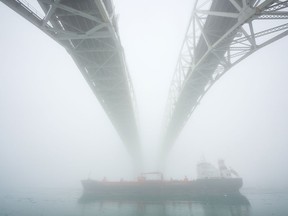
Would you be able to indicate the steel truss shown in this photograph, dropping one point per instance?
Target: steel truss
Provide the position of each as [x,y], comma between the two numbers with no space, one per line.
[87,29]
[220,34]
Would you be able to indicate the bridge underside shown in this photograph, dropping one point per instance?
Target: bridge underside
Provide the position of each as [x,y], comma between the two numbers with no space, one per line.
[220,34]
[87,29]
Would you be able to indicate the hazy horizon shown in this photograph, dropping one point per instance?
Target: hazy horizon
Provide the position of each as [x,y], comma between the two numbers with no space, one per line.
[54,132]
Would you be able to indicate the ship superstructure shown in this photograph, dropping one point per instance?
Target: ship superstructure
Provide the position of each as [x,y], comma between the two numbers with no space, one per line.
[207,170]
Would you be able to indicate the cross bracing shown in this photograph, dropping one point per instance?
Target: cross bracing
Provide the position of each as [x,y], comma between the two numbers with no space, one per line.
[88,30]
[220,34]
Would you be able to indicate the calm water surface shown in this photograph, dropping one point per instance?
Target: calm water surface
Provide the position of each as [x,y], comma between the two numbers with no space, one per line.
[64,202]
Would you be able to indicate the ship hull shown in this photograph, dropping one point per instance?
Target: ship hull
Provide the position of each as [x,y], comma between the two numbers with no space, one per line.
[162,189]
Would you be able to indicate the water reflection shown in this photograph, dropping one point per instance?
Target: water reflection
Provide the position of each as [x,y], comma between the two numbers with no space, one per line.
[237,205]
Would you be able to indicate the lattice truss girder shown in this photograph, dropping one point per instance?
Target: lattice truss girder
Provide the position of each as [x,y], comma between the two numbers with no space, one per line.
[88,31]
[220,34]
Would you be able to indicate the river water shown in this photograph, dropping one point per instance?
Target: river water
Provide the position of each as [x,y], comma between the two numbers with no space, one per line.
[52,202]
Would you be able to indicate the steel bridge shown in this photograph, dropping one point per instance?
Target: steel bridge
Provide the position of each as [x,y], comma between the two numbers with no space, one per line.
[220,34]
[87,29]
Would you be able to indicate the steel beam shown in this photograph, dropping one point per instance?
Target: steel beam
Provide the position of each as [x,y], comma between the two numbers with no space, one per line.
[223,33]
[88,30]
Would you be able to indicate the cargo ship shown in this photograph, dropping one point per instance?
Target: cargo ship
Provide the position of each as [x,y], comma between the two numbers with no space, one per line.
[211,181]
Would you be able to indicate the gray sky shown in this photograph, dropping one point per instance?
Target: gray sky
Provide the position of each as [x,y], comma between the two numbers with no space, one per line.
[53,131]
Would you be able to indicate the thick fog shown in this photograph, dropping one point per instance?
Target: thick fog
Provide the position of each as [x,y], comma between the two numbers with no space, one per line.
[54,132]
